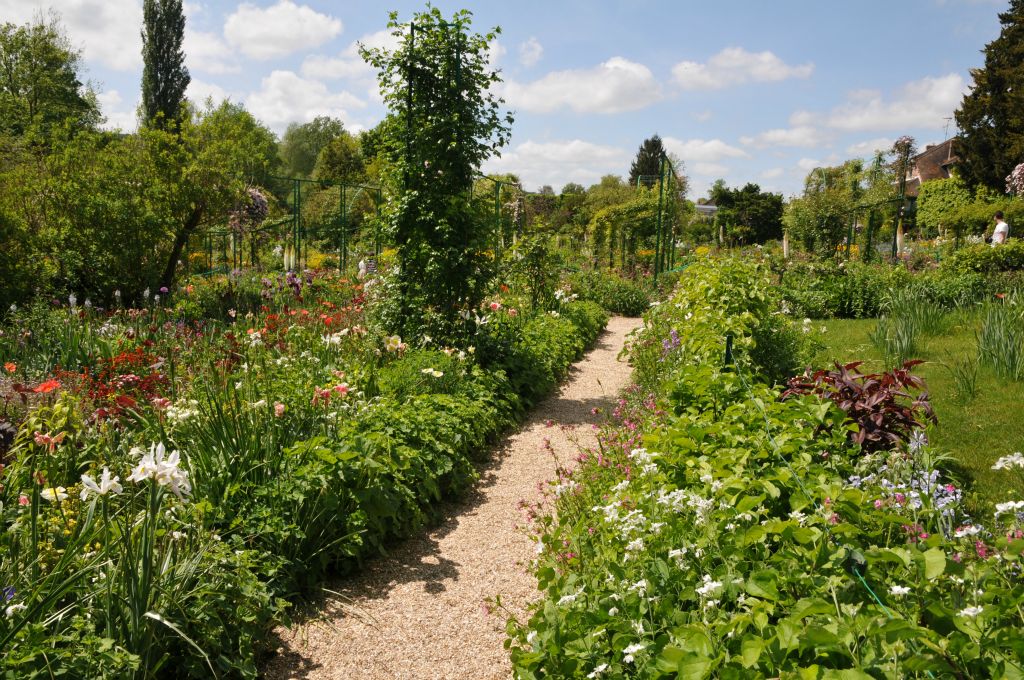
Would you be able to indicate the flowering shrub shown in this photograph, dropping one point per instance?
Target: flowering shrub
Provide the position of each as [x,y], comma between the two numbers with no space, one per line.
[169,479]
[719,531]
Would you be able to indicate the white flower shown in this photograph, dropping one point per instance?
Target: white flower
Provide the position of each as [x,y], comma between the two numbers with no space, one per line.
[967,530]
[639,587]
[54,494]
[798,516]
[899,591]
[1009,506]
[177,535]
[1009,462]
[432,372]
[11,610]
[164,469]
[918,440]
[628,652]
[636,545]
[709,586]
[598,671]
[72,300]
[711,604]
[614,611]
[531,637]
[568,599]
[970,612]
[106,485]
[392,343]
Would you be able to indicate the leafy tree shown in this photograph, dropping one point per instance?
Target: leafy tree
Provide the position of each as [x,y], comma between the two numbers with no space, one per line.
[302,143]
[991,115]
[647,161]
[573,188]
[749,214]
[40,85]
[164,76]
[445,122]
[340,161]
[938,201]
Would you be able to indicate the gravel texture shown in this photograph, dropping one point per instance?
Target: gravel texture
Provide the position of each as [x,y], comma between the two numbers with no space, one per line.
[420,612]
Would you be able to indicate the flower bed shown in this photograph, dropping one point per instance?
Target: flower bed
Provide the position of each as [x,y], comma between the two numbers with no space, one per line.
[171,481]
[722,531]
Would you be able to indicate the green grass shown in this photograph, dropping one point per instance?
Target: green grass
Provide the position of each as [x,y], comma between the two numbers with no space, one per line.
[976,431]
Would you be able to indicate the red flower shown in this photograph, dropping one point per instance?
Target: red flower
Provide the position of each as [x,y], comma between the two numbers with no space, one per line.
[48,386]
[11,367]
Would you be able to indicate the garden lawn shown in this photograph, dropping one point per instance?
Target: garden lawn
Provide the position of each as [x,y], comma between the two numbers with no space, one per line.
[975,431]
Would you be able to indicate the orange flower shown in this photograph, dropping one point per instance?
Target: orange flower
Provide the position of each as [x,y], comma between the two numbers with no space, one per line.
[11,366]
[45,387]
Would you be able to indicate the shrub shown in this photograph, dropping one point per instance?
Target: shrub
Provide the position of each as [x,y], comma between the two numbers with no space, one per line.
[614,293]
[985,259]
[882,406]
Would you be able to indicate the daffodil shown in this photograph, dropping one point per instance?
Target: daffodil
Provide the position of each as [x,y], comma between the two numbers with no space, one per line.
[107,485]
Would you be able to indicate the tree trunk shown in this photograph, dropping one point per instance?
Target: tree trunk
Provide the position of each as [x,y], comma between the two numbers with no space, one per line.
[180,240]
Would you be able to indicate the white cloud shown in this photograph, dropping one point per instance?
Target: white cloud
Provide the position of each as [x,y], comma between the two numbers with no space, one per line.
[702,116]
[278,30]
[772,173]
[559,162]
[870,146]
[118,118]
[495,52]
[922,103]
[530,52]
[800,136]
[348,65]
[709,169]
[107,31]
[808,164]
[615,86]
[207,52]
[285,97]
[199,91]
[735,66]
[703,150]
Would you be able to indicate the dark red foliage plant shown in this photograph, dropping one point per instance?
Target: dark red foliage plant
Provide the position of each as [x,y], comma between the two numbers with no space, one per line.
[886,407]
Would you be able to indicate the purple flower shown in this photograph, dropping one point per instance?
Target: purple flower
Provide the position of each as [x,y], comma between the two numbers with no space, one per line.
[163,290]
[7,593]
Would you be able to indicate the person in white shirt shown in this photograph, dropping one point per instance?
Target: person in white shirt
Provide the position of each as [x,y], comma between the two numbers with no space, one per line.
[1002,230]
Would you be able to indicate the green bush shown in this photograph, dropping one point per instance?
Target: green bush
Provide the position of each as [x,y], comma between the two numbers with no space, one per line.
[614,293]
[985,259]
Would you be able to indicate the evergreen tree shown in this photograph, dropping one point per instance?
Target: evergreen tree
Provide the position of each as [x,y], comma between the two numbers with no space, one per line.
[164,76]
[991,116]
[647,161]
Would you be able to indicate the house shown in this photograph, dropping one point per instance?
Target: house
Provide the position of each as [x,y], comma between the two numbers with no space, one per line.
[932,163]
[706,211]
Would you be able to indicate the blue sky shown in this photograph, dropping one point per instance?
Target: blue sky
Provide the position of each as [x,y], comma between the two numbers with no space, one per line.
[746,91]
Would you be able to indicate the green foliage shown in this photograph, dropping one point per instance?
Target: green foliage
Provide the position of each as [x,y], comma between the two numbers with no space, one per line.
[535,268]
[303,143]
[445,121]
[985,259]
[742,536]
[340,160]
[1001,338]
[938,200]
[613,292]
[991,115]
[41,90]
[749,214]
[164,76]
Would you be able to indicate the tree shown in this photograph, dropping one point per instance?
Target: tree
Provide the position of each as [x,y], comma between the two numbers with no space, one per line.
[164,76]
[749,215]
[302,143]
[939,200]
[991,115]
[40,86]
[445,122]
[647,162]
[340,161]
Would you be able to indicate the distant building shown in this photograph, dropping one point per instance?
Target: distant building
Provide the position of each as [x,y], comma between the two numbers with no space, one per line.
[706,211]
[934,162]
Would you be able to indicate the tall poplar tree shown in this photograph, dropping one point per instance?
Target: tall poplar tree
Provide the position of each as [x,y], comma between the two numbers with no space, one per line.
[648,160]
[991,116]
[164,76]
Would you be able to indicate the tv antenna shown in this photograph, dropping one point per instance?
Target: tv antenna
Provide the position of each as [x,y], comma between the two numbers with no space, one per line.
[945,130]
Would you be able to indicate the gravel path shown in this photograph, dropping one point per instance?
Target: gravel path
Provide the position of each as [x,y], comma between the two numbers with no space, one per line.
[419,612]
